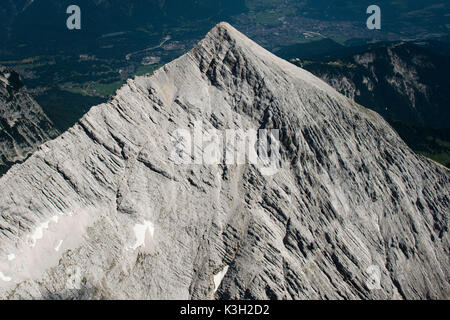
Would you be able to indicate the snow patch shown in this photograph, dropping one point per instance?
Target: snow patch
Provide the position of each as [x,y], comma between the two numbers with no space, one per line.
[141,231]
[38,234]
[219,277]
[58,246]
[44,246]
[4,278]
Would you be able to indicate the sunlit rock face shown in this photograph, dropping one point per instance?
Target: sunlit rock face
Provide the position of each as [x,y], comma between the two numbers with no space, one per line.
[23,124]
[106,210]
[401,81]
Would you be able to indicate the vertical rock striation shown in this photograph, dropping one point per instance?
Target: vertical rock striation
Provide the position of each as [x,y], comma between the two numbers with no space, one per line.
[104,211]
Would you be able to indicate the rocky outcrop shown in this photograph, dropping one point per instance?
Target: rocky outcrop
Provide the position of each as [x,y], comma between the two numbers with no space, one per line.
[23,124]
[402,81]
[106,210]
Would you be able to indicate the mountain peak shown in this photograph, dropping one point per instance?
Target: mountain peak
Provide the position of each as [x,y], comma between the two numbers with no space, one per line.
[225,32]
[226,45]
[108,203]
[224,26]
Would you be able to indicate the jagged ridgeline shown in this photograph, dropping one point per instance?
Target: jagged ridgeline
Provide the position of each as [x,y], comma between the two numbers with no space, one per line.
[23,124]
[104,212]
[404,82]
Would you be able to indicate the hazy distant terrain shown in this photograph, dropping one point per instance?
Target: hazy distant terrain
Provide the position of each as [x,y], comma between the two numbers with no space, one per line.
[41,26]
[69,71]
[23,124]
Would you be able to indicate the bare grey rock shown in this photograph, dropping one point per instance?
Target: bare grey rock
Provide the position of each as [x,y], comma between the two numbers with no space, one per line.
[23,123]
[401,81]
[351,204]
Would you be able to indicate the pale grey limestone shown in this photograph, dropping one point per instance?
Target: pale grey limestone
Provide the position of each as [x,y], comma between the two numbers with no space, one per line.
[349,195]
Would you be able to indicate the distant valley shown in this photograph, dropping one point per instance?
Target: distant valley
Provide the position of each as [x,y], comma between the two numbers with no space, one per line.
[67,72]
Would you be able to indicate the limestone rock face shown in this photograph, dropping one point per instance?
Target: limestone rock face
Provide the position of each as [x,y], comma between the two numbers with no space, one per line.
[106,210]
[401,81]
[23,123]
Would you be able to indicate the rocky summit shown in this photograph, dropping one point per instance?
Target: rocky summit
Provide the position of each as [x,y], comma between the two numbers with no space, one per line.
[23,123]
[108,211]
